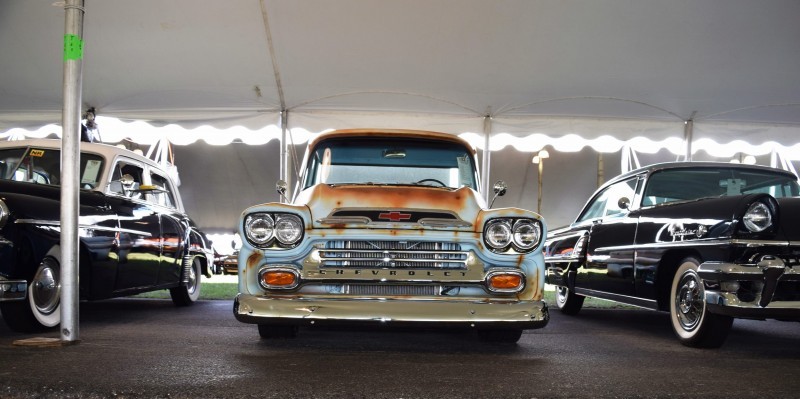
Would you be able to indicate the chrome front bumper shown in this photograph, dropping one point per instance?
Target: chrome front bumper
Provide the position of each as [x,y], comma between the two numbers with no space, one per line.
[13,290]
[378,311]
[721,278]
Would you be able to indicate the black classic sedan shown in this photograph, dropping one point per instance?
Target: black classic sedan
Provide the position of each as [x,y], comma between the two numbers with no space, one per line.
[706,242]
[134,234]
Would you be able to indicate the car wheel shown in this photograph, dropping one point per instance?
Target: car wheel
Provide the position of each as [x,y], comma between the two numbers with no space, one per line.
[42,309]
[187,294]
[508,336]
[567,301]
[694,325]
[272,331]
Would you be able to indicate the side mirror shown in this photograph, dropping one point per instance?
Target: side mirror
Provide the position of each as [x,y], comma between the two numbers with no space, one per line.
[281,188]
[624,203]
[499,188]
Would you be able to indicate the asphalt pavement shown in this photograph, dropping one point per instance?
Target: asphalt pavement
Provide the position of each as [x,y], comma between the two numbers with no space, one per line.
[143,348]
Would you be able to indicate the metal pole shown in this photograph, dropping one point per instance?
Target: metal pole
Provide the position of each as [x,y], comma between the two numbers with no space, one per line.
[487,154]
[601,170]
[688,132]
[539,191]
[287,155]
[70,161]
[284,164]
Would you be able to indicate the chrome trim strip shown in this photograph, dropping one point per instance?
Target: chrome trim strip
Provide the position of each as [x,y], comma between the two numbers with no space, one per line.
[438,222]
[83,226]
[698,243]
[344,220]
[626,299]
[561,259]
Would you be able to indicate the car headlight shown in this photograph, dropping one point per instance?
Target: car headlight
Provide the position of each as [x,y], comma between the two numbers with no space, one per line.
[758,217]
[522,234]
[259,228]
[527,233]
[497,234]
[288,228]
[266,229]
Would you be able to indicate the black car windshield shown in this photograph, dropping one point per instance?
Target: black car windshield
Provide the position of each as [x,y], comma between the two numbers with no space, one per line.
[686,184]
[392,162]
[43,166]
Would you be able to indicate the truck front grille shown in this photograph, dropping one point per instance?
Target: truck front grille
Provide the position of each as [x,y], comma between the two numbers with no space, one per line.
[393,254]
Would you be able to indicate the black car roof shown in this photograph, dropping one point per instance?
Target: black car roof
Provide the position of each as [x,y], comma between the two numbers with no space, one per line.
[679,165]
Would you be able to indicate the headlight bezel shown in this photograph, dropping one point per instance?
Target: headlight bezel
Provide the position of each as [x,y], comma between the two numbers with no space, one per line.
[274,238]
[512,226]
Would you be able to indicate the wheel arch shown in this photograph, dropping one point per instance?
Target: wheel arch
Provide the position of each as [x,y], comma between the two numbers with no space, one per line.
[667,266]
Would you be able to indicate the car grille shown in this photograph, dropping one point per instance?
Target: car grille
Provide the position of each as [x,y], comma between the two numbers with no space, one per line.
[392,290]
[393,254]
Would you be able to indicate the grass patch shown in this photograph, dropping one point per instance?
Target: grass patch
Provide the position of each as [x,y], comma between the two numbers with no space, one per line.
[211,291]
[227,291]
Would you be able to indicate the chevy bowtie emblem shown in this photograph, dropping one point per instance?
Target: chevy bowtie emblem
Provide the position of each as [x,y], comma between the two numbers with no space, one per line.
[394,216]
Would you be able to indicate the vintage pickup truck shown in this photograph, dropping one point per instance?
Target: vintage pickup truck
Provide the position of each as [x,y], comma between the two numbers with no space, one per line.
[387,227]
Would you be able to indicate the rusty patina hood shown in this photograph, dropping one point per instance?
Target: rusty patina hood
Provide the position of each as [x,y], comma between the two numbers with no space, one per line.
[400,207]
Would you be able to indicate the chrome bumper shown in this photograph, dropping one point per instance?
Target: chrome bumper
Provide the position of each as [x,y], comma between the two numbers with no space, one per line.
[767,273]
[13,290]
[374,311]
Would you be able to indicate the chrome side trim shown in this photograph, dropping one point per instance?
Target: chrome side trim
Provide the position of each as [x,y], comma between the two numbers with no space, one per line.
[83,226]
[628,300]
[697,243]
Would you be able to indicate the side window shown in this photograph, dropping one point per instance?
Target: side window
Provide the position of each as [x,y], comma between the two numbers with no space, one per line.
[606,203]
[124,186]
[163,195]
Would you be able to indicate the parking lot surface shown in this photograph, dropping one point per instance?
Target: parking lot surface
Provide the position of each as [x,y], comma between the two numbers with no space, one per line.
[132,348]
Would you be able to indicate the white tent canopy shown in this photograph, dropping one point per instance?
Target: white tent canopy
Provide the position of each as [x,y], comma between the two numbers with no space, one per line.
[606,75]
[533,66]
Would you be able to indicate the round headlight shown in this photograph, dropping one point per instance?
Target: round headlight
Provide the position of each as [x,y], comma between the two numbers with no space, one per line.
[758,217]
[259,228]
[498,234]
[526,234]
[288,229]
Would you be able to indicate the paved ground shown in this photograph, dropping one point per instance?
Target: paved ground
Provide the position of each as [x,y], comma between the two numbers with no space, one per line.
[135,348]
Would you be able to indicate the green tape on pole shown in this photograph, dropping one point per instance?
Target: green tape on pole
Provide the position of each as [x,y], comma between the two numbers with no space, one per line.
[73,47]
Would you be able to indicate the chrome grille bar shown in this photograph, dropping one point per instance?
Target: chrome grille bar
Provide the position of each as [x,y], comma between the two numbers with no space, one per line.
[399,254]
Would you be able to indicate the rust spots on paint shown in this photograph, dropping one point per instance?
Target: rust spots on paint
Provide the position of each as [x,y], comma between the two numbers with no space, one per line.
[254,259]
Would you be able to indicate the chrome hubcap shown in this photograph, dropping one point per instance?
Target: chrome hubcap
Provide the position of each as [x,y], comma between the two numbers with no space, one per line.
[689,301]
[191,285]
[46,289]
[561,294]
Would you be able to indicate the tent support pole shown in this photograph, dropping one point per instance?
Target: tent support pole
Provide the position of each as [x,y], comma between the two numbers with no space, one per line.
[284,170]
[487,154]
[688,132]
[70,163]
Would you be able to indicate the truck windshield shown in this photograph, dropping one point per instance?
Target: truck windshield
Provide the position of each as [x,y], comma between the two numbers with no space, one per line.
[392,162]
[43,166]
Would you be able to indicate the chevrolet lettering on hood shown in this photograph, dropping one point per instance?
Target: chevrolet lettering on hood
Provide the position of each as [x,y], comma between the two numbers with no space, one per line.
[388,227]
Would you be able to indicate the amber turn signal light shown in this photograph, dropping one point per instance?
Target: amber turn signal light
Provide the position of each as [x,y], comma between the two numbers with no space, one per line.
[505,281]
[279,278]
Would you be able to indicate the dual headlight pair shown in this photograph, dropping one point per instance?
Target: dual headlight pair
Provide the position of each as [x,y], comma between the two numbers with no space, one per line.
[265,229]
[523,235]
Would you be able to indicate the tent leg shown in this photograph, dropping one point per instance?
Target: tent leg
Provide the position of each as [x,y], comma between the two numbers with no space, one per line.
[70,161]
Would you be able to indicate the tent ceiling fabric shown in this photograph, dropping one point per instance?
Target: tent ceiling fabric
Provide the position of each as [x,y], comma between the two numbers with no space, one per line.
[441,64]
